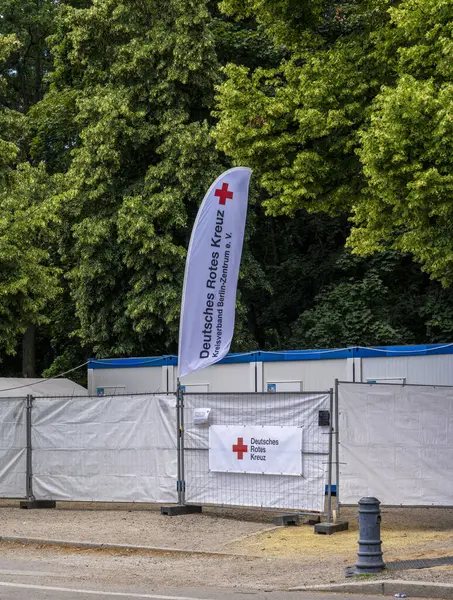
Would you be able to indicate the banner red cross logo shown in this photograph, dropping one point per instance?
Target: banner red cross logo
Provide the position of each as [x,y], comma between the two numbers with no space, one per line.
[240,448]
[224,194]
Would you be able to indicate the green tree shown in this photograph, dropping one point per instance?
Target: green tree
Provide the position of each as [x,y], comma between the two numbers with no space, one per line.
[137,82]
[298,124]
[11,124]
[24,73]
[30,21]
[406,149]
[28,281]
[356,120]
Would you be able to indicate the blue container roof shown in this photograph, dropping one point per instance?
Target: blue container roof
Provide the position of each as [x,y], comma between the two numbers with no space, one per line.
[284,355]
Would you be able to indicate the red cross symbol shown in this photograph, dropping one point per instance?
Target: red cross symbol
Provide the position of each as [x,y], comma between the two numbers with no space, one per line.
[240,448]
[224,194]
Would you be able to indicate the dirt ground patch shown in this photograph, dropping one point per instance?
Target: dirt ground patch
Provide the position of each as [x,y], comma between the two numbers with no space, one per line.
[127,524]
[274,557]
[405,533]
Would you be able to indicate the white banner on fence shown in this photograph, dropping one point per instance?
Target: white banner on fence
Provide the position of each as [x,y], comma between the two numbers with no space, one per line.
[268,450]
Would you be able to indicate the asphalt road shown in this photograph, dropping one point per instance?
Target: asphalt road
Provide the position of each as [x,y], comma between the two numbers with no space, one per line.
[40,575]
[24,591]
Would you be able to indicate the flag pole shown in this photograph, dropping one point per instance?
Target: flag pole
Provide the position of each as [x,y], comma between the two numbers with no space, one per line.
[180,441]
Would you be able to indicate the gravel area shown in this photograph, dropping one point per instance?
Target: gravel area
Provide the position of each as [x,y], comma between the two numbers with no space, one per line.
[126,525]
[273,558]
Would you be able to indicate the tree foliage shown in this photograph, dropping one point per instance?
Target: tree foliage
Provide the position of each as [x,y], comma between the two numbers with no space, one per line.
[30,21]
[28,275]
[28,280]
[407,145]
[298,124]
[116,115]
[357,120]
[11,124]
[138,80]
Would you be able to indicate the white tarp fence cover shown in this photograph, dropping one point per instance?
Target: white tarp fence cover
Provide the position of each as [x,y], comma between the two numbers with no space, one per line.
[396,443]
[205,486]
[266,450]
[117,448]
[13,443]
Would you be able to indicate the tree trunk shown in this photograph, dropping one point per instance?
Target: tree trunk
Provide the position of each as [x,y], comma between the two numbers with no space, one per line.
[29,352]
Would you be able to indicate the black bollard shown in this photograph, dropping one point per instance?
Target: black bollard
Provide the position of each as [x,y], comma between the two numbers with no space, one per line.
[369,555]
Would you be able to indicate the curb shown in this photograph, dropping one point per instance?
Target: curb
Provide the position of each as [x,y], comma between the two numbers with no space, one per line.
[386,586]
[97,546]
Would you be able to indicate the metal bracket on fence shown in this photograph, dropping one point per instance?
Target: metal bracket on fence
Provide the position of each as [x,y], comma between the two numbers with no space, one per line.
[333,524]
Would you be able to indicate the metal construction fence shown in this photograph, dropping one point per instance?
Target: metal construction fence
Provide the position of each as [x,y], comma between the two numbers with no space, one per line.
[395,443]
[13,447]
[151,448]
[302,410]
[117,448]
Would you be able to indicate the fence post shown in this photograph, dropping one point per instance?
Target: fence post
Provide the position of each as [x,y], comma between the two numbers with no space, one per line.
[331,527]
[29,474]
[178,444]
[31,501]
[182,508]
[337,445]
[183,478]
[329,482]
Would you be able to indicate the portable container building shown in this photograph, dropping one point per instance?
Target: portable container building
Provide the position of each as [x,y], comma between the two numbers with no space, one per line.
[290,371]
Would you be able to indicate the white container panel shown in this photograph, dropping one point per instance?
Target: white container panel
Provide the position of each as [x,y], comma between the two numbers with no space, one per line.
[314,375]
[423,370]
[138,380]
[234,378]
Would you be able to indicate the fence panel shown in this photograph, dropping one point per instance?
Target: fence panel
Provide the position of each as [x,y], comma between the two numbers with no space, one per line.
[396,443]
[13,447]
[303,492]
[117,448]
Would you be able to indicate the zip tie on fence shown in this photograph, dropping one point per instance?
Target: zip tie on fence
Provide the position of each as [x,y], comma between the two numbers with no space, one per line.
[18,387]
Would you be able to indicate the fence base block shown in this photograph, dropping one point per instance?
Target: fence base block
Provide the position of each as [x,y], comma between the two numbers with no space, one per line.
[38,504]
[329,528]
[313,521]
[286,520]
[184,509]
